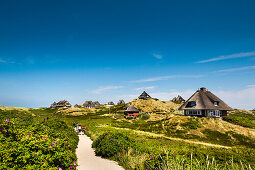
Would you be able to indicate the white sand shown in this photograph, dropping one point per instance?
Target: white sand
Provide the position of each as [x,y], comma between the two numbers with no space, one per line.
[87,159]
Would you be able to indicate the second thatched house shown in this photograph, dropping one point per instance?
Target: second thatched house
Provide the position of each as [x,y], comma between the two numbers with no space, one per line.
[90,104]
[178,99]
[204,103]
[121,102]
[131,111]
[111,103]
[62,103]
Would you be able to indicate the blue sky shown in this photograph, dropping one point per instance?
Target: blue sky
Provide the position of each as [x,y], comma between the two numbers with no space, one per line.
[109,50]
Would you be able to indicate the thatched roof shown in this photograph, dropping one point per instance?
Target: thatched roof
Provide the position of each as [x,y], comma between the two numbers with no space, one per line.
[131,108]
[110,103]
[62,103]
[204,100]
[144,95]
[178,99]
[121,102]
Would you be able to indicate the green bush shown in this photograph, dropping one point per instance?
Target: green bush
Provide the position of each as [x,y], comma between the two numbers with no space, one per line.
[29,144]
[109,144]
[242,119]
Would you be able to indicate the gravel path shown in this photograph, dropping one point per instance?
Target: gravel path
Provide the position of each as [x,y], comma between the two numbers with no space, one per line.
[87,159]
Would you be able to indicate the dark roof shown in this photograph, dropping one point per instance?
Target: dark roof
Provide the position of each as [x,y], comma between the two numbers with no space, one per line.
[204,100]
[131,108]
[110,103]
[144,95]
[178,99]
[121,102]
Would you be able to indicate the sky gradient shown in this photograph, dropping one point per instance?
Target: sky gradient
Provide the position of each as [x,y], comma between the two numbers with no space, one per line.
[109,50]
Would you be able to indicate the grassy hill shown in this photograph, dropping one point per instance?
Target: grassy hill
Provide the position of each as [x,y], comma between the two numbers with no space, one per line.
[154,106]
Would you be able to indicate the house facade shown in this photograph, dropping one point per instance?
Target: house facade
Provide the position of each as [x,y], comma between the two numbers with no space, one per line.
[204,103]
[131,111]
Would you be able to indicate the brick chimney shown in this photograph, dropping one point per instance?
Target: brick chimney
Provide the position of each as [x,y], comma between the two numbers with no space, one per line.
[203,89]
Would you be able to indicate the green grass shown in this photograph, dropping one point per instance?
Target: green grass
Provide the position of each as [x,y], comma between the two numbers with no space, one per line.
[242,119]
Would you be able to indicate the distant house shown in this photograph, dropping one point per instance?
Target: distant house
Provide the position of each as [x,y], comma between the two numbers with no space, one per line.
[97,104]
[53,105]
[178,99]
[131,111]
[76,105]
[204,103]
[62,103]
[110,103]
[121,102]
[144,95]
[90,104]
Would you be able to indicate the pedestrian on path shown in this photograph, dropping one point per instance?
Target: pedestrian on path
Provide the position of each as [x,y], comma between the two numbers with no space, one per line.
[79,129]
[83,129]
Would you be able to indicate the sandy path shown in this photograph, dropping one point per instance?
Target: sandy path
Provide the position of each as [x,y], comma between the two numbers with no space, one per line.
[87,159]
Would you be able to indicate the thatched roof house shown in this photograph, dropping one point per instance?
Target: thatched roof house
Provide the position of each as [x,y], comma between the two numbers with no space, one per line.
[110,103]
[76,105]
[204,103]
[62,103]
[53,105]
[178,99]
[97,104]
[121,102]
[144,95]
[131,111]
[90,104]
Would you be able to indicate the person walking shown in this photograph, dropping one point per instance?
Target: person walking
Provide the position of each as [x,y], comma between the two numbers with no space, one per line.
[83,129]
[79,129]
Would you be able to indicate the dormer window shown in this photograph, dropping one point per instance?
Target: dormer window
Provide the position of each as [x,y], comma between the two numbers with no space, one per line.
[216,103]
[192,103]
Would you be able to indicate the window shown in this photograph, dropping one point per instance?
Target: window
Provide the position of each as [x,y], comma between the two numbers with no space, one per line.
[214,113]
[193,112]
[216,103]
[191,104]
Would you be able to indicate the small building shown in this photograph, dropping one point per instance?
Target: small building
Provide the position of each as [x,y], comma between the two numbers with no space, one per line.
[131,111]
[121,102]
[97,104]
[110,103]
[90,104]
[76,105]
[144,95]
[178,99]
[62,103]
[53,105]
[204,103]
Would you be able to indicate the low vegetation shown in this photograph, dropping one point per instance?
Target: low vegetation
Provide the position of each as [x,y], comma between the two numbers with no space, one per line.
[159,140]
[242,118]
[27,143]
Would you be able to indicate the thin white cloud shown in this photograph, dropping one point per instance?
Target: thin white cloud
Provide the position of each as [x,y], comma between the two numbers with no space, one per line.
[2,60]
[100,90]
[165,78]
[226,57]
[6,61]
[236,69]
[145,88]
[157,56]
[251,86]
